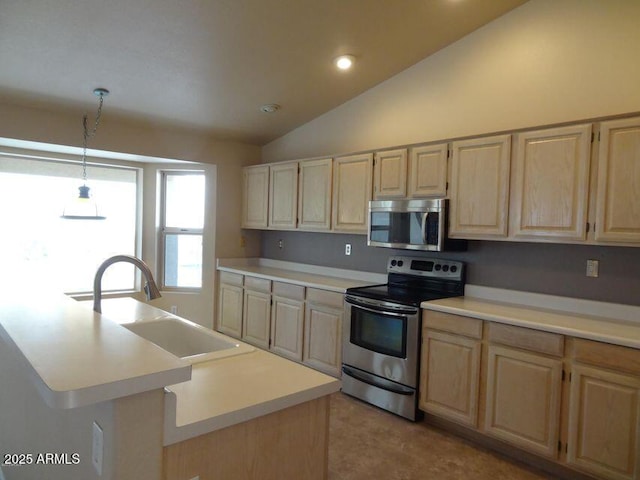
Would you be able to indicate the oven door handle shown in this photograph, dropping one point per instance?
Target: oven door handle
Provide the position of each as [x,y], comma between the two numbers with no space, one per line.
[396,312]
[377,382]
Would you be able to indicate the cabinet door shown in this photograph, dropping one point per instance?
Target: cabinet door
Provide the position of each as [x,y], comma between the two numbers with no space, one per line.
[618,195]
[551,183]
[390,174]
[428,171]
[256,318]
[603,423]
[323,338]
[283,195]
[523,399]
[314,194]
[255,196]
[230,300]
[351,193]
[479,190]
[451,375]
[287,323]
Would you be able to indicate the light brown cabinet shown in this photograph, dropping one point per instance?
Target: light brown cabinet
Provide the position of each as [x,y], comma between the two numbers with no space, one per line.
[523,399]
[256,312]
[255,197]
[427,175]
[551,183]
[230,301]
[618,191]
[283,195]
[390,174]
[314,194]
[323,331]
[479,187]
[352,185]
[287,320]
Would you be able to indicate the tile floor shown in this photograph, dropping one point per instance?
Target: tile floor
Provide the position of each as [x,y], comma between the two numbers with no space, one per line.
[367,443]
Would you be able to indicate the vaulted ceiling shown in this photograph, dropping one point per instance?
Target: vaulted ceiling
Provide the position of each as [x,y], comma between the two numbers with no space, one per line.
[211,64]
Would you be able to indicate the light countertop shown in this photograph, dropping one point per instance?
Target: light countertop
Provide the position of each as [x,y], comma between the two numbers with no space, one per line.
[602,329]
[313,276]
[232,390]
[77,357]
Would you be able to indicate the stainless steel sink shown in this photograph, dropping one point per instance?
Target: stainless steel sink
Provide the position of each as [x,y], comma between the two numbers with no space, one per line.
[188,340]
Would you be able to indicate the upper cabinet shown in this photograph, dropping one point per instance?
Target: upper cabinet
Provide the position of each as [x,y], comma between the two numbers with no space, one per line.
[390,174]
[427,171]
[618,194]
[283,195]
[351,192]
[479,187]
[551,183]
[255,196]
[314,194]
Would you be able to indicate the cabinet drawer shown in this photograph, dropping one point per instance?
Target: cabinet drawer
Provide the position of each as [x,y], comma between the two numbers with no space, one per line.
[231,278]
[288,290]
[602,354]
[447,322]
[526,338]
[325,297]
[257,284]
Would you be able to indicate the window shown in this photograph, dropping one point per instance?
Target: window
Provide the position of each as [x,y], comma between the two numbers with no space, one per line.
[182,224]
[38,244]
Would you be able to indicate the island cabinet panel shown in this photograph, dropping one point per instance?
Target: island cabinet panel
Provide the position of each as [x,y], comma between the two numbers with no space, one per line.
[287,320]
[283,195]
[523,399]
[352,185]
[230,300]
[255,197]
[314,194]
[479,187]
[323,331]
[427,171]
[289,444]
[390,174]
[551,183]
[451,383]
[618,193]
[256,314]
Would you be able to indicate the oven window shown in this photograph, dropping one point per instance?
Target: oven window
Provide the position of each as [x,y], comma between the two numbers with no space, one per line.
[380,333]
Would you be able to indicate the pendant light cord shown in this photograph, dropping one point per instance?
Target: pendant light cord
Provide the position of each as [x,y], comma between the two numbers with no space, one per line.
[88,135]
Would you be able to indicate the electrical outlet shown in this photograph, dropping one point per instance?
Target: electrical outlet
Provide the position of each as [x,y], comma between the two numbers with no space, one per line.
[97,450]
[592,268]
[280,243]
[243,241]
[174,309]
[347,249]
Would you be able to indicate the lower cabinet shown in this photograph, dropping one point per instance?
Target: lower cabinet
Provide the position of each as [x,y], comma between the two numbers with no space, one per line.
[323,331]
[572,401]
[299,323]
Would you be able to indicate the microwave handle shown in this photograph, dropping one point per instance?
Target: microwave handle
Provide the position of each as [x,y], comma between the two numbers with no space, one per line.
[424,227]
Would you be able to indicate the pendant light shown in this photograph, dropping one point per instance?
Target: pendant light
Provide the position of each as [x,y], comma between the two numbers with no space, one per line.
[83,207]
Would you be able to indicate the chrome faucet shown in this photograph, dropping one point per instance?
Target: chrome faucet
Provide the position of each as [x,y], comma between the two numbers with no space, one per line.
[150,287]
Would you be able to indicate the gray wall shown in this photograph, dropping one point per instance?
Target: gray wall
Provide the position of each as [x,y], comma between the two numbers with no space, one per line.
[535,267]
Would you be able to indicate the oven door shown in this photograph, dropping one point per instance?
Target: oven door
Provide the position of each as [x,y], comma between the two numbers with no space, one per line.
[383,339]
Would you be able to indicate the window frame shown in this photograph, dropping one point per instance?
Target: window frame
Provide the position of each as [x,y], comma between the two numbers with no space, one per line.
[164,230]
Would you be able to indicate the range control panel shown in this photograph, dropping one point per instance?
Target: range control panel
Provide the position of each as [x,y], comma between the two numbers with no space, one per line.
[426,267]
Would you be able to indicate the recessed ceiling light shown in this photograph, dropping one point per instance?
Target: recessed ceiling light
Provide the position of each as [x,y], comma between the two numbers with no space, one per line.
[344,62]
[270,108]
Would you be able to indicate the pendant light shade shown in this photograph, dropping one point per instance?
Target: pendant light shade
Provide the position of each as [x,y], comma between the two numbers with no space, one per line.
[83,207]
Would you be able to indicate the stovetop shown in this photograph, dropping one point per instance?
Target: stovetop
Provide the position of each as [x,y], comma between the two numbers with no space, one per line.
[413,280]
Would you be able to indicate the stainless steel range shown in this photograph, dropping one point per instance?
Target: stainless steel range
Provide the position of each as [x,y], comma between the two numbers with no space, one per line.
[381,335]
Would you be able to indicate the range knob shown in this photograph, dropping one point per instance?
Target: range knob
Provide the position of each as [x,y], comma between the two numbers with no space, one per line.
[454,269]
[438,267]
[400,263]
[445,268]
[393,263]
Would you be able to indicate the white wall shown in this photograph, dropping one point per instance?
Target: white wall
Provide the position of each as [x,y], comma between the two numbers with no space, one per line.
[225,160]
[548,61]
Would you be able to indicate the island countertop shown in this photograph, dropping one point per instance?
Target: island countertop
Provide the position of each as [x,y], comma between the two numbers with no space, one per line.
[76,357]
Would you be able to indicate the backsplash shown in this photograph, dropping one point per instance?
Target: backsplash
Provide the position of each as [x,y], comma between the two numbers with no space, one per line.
[554,269]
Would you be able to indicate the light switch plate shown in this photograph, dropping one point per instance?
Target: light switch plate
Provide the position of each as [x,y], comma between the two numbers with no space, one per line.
[592,268]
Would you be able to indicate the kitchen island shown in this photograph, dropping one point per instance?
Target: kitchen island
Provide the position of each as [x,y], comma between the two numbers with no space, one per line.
[76,375]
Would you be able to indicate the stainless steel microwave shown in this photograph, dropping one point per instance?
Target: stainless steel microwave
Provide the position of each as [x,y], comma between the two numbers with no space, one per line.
[411,224]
